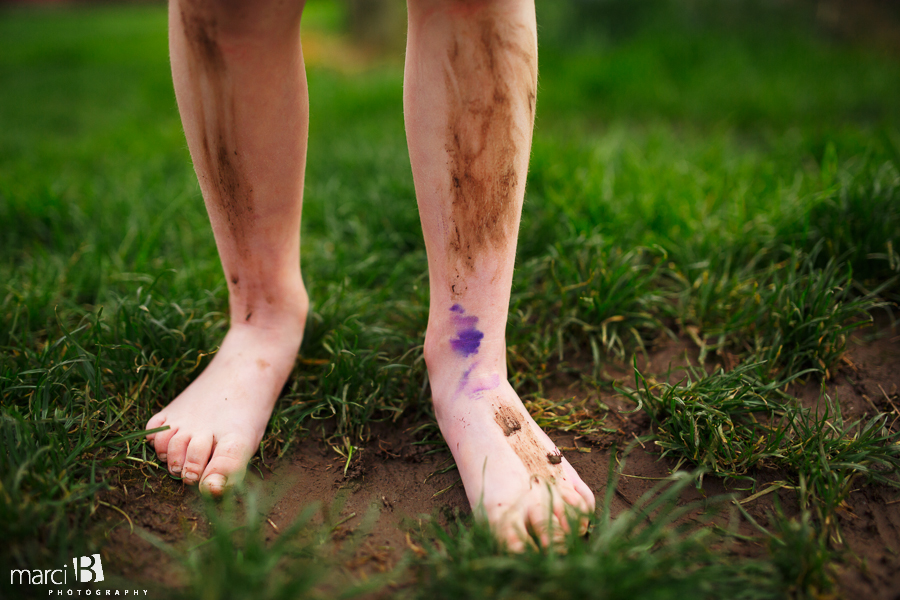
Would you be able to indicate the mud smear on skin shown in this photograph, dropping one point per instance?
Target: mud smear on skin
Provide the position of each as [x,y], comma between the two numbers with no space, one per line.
[543,465]
[232,194]
[508,420]
[491,73]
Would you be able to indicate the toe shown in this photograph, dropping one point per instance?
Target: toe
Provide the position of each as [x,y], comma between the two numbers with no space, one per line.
[576,508]
[176,450]
[547,528]
[157,420]
[227,466]
[590,503]
[196,457]
[562,512]
[510,530]
[161,443]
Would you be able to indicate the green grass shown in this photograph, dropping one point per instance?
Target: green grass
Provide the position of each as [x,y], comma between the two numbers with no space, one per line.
[647,551]
[728,179]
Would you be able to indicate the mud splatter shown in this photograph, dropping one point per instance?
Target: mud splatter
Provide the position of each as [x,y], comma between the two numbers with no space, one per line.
[468,337]
[533,454]
[508,420]
[231,195]
[543,465]
[491,73]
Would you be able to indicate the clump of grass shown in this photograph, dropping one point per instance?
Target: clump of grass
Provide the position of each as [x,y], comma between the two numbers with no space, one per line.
[354,368]
[60,430]
[643,552]
[713,300]
[800,555]
[589,294]
[569,414]
[830,457]
[47,482]
[857,214]
[788,317]
[726,423]
[75,403]
[805,314]
[238,561]
[731,423]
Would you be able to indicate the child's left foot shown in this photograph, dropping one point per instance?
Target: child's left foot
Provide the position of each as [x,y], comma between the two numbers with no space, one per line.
[510,468]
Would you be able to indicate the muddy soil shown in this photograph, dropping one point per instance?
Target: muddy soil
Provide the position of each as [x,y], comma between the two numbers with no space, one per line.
[404,482]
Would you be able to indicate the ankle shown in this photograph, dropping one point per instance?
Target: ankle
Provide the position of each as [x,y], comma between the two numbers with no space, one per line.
[452,375]
[285,307]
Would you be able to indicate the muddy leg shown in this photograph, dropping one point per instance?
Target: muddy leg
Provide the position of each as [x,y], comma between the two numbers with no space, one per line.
[469,97]
[241,90]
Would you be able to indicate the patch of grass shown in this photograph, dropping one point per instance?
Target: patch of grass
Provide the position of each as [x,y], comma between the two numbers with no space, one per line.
[830,457]
[732,424]
[77,408]
[727,423]
[805,315]
[857,215]
[587,294]
[644,552]
[581,417]
[788,316]
[801,556]
[238,561]
[715,301]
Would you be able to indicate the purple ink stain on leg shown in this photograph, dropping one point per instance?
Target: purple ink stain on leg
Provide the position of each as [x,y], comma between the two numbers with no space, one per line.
[467,341]
[464,380]
[488,384]
[465,322]
[468,338]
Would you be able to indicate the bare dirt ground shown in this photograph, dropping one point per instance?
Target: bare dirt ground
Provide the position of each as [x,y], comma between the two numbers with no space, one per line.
[401,481]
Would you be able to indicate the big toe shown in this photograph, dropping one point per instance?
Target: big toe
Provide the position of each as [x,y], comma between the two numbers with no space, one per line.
[157,420]
[227,466]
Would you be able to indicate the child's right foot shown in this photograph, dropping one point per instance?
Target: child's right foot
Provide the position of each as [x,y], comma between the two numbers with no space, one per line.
[216,424]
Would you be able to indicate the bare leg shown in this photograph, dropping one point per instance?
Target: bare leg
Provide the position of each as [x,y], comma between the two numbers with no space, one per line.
[469,97]
[241,90]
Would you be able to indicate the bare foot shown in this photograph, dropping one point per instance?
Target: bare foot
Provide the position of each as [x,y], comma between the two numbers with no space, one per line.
[219,420]
[514,475]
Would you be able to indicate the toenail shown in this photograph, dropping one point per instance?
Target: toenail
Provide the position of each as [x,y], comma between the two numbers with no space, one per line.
[163,456]
[176,468]
[190,476]
[215,482]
